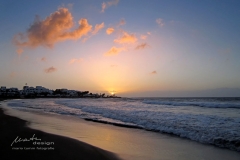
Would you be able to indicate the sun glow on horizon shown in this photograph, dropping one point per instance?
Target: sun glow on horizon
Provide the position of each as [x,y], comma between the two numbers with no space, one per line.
[113,92]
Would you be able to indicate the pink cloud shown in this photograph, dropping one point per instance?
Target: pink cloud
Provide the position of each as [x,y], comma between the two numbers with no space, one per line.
[51,30]
[98,27]
[74,60]
[143,37]
[50,70]
[114,51]
[105,5]
[122,22]
[141,46]
[43,59]
[19,51]
[12,74]
[113,66]
[160,22]
[153,72]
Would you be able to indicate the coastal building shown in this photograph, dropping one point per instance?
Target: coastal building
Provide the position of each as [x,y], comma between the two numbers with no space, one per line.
[4,91]
[12,91]
[3,88]
[38,90]
[72,93]
[27,90]
[66,92]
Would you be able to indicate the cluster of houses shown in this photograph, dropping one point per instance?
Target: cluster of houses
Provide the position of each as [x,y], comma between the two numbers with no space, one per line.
[40,91]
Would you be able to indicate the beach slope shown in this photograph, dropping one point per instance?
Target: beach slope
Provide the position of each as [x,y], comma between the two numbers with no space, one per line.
[17,141]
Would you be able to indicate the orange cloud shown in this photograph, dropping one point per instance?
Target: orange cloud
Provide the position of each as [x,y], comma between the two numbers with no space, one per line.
[82,30]
[74,60]
[19,51]
[105,5]
[114,51]
[153,72]
[98,27]
[149,33]
[110,31]
[50,70]
[126,38]
[51,30]
[43,59]
[159,21]
[141,46]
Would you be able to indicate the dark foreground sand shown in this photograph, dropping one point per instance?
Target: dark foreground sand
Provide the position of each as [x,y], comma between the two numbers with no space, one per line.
[63,148]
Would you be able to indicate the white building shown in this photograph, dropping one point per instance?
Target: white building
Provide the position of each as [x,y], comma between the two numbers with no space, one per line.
[38,90]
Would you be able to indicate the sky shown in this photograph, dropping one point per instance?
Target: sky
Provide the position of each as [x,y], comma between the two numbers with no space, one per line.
[134,48]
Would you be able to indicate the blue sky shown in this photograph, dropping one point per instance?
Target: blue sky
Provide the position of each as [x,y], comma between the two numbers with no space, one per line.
[155,48]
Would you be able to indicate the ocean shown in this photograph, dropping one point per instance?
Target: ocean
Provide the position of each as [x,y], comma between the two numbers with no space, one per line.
[214,121]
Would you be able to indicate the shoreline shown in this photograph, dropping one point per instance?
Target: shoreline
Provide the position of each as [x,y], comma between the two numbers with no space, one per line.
[29,143]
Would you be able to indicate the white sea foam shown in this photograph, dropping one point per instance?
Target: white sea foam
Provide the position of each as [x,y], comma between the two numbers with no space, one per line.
[208,104]
[182,117]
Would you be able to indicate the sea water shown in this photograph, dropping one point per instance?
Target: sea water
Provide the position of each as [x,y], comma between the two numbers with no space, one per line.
[206,120]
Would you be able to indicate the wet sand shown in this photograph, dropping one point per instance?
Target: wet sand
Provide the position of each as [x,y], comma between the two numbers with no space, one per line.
[127,143]
[17,141]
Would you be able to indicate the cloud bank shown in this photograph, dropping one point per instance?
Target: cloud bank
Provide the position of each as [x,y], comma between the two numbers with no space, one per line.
[51,30]
[50,70]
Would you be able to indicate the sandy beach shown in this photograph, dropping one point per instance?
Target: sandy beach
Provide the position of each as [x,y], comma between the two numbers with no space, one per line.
[126,143]
[21,142]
